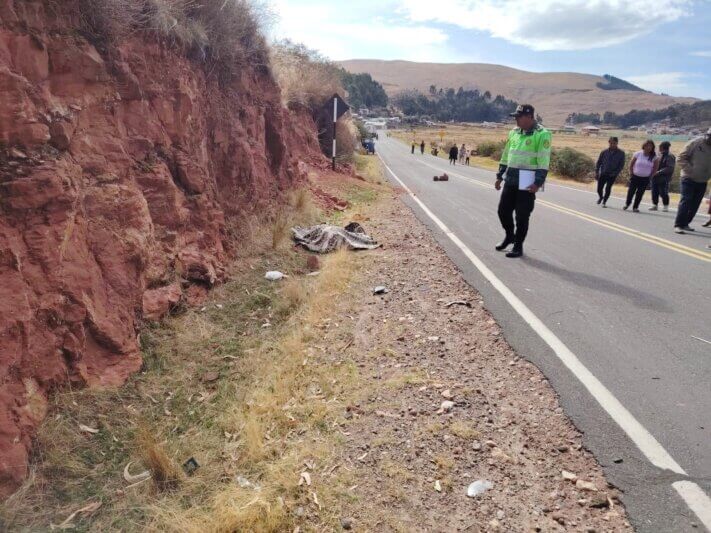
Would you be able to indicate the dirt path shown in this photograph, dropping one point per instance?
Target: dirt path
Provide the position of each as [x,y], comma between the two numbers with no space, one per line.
[411,455]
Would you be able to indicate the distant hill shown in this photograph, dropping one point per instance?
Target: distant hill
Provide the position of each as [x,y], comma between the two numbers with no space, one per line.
[554,94]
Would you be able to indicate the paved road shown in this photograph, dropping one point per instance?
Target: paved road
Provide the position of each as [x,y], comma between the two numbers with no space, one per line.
[625,295]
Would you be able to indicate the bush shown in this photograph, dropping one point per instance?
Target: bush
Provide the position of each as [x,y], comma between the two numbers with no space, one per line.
[223,34]
[572,164]
[305,77]
[492,149]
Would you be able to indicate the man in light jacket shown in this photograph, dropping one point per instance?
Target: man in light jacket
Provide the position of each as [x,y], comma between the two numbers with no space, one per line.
[695,163]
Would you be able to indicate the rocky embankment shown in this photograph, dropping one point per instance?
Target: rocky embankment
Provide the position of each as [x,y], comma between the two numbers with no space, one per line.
[125,170]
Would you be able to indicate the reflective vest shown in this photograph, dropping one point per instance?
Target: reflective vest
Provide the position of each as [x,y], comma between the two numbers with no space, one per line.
[527,150]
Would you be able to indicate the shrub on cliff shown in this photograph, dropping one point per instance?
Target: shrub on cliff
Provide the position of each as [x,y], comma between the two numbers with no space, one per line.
[305,77]
[225,34]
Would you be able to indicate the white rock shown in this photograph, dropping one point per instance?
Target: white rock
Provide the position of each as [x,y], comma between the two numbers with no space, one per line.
[585,485]
[479,487]
[447,405]
[569,475]
[274,275]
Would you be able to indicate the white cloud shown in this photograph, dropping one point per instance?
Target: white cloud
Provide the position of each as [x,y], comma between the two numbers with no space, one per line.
[551,24]
[702,53]
[339,31]
[674,83]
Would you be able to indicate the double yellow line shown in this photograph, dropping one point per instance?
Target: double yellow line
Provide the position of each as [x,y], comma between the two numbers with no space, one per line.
[670,245]
[664,243]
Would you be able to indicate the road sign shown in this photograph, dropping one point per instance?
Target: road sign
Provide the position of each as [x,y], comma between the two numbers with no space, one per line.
[340,108]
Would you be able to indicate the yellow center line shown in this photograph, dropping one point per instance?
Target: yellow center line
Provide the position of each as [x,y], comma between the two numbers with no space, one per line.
[664,243]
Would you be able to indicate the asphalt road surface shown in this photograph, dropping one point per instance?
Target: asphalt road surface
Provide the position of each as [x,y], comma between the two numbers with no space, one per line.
[612,306]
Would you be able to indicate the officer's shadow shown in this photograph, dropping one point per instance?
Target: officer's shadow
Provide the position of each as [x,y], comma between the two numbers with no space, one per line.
[639,298]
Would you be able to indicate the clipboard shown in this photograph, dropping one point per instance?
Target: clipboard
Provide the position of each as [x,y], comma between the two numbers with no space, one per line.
[526,178]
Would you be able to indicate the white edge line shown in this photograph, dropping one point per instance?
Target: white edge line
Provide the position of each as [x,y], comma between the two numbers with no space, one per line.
[691,493]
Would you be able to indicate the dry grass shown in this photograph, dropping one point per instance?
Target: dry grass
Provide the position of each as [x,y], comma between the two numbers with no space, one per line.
[223,34]
[270,415]
[305,77]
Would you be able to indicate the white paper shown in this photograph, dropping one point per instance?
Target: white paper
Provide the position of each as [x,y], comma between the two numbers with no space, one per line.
[526,178]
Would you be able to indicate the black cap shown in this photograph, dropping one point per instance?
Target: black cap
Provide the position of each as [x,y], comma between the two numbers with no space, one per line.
[523,109]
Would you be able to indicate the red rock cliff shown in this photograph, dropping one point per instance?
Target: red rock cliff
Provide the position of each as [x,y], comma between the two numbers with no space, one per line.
[119,174]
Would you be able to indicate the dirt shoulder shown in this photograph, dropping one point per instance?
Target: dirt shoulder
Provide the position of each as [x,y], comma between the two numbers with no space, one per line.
[413,456]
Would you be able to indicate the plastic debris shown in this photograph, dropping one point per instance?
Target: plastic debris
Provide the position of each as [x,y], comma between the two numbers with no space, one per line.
[190,466]
[138,478]
[381,290]
[479,487]
[275,275]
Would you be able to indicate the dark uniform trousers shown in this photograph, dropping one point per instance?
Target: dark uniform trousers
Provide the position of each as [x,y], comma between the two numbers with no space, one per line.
[522,202]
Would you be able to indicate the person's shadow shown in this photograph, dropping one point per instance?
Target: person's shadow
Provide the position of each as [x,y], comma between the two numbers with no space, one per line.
[639,298]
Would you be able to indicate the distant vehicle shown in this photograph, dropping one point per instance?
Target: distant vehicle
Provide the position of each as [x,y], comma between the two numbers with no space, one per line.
[369,145]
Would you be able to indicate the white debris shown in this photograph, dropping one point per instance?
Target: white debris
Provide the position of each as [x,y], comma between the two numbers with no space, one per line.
[275,275]
[479,487]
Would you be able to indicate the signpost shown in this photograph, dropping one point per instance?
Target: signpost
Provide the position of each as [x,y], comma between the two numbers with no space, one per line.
[340,108]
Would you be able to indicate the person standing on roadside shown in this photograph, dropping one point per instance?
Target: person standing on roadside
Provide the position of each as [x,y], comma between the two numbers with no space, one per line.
[413,147]
[422,147]
[644,164]
[462,154]
[662,177]
[466,161]
[453,154]
[608,167]
[695,163]
[523,169]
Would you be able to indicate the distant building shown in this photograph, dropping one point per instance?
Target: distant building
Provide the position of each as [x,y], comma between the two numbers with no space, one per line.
[590,130]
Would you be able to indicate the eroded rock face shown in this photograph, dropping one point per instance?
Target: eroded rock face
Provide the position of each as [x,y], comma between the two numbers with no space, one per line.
[119,171]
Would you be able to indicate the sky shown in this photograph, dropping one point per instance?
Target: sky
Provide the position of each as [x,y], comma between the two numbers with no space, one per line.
[660,45]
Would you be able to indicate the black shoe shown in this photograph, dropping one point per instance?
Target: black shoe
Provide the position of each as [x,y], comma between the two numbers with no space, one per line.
[508,241]
[516,252]
[625,208]
[599,201]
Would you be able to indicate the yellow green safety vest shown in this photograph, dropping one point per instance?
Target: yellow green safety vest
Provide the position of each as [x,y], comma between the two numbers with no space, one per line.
[526,150]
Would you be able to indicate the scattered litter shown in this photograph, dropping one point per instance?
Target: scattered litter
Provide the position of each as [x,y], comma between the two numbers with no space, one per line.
[67,524]
[305,478]
[443,177]
[275,275]
[438,486]
[190,466]
[476,445]
[433,339]
[88,429]
[324,238]
[381,290]
[617,461]
[479,487]
[219,306]
[459,302]
[138,478]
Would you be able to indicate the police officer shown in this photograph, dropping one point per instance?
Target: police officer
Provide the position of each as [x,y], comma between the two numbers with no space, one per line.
[523,169]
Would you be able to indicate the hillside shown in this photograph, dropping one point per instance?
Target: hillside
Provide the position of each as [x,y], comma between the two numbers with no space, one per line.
[554,94]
